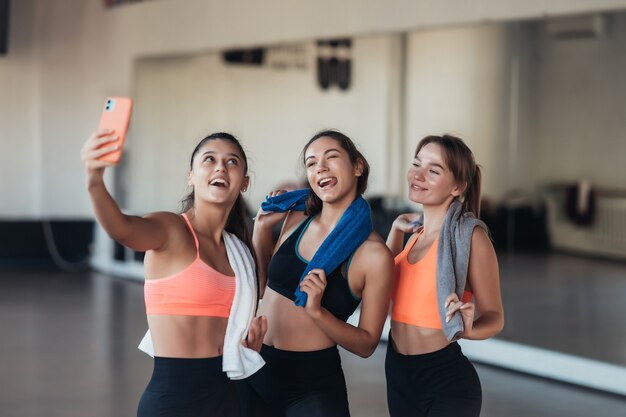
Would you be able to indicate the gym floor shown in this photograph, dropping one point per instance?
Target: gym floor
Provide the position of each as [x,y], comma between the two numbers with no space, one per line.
[69,342]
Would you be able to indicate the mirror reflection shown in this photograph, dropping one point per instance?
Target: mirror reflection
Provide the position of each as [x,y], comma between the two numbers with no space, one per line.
[541,103]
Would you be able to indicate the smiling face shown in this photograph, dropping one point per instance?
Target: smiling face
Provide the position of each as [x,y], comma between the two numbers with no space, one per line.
[218,172]
[331,174]
[431,182]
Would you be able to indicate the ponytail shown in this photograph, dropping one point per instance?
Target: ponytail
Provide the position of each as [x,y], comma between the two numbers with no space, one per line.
[187,202]
[471,199]
[237,223]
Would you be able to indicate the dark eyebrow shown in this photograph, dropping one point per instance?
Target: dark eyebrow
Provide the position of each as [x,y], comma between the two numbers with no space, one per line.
[325,152]
[212,152]
[432,164]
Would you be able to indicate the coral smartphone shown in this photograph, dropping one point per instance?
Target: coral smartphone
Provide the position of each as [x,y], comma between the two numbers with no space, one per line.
[116,116]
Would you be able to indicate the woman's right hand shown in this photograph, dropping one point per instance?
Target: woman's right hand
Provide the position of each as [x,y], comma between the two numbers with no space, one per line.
[407,222]
[95,147]
[256,333]
[269,220]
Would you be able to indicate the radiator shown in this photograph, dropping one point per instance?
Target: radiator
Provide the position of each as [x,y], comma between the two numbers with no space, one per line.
[606,236]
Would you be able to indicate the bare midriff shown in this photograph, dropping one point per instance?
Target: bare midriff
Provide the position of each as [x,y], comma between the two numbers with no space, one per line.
[187,336]
[413,340]
[289,327]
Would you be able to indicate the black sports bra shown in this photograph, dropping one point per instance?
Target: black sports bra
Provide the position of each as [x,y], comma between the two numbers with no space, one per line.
[286,267]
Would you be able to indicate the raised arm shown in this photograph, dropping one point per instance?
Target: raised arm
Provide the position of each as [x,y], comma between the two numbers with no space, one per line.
[263,242]
[401,225]
[374,267]
[263,238]
[137,233]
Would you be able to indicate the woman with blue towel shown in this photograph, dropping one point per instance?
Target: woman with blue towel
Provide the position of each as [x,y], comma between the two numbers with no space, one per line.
[446,286]
[326,262]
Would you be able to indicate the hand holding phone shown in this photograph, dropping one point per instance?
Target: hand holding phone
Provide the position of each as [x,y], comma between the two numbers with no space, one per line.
[116,117]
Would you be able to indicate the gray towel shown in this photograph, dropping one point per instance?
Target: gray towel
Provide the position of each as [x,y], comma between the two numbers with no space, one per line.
[453,252]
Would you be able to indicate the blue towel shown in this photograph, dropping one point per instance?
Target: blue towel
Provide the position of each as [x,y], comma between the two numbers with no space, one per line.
[292,200]
[353,229]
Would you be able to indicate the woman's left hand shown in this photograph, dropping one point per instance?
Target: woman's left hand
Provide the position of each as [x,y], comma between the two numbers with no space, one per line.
[256,333]
[467,310]
[314,284]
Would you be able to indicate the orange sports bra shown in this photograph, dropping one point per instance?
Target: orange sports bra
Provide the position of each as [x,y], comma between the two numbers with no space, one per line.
[415,289]
[197,290]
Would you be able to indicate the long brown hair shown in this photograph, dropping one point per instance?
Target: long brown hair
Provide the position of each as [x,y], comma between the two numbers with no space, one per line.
[460,160]
[314,203]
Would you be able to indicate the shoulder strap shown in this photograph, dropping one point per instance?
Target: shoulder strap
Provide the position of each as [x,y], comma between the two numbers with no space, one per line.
[303,226]
[412,241]
[193,233]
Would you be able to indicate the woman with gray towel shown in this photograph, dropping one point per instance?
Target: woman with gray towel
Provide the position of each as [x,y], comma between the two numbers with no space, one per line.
[446,286]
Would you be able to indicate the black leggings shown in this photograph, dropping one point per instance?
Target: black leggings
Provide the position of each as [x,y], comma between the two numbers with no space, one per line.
[188,388]
[438,384]
[302,384]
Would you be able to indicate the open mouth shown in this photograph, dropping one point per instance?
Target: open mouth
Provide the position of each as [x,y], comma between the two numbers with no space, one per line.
[417,187]
[219,182]
[327,182]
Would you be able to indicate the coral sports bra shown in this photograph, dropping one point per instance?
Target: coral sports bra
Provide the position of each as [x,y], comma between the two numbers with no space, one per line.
[415,289]
[197,290]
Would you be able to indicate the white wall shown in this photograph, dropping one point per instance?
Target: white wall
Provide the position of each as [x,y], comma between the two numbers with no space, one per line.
[273,112]
[20,159]
[458,83]
[66,55]
[578,95]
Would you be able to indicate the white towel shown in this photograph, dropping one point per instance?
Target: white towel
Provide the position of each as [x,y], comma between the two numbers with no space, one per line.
[146,344]
[238,362]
